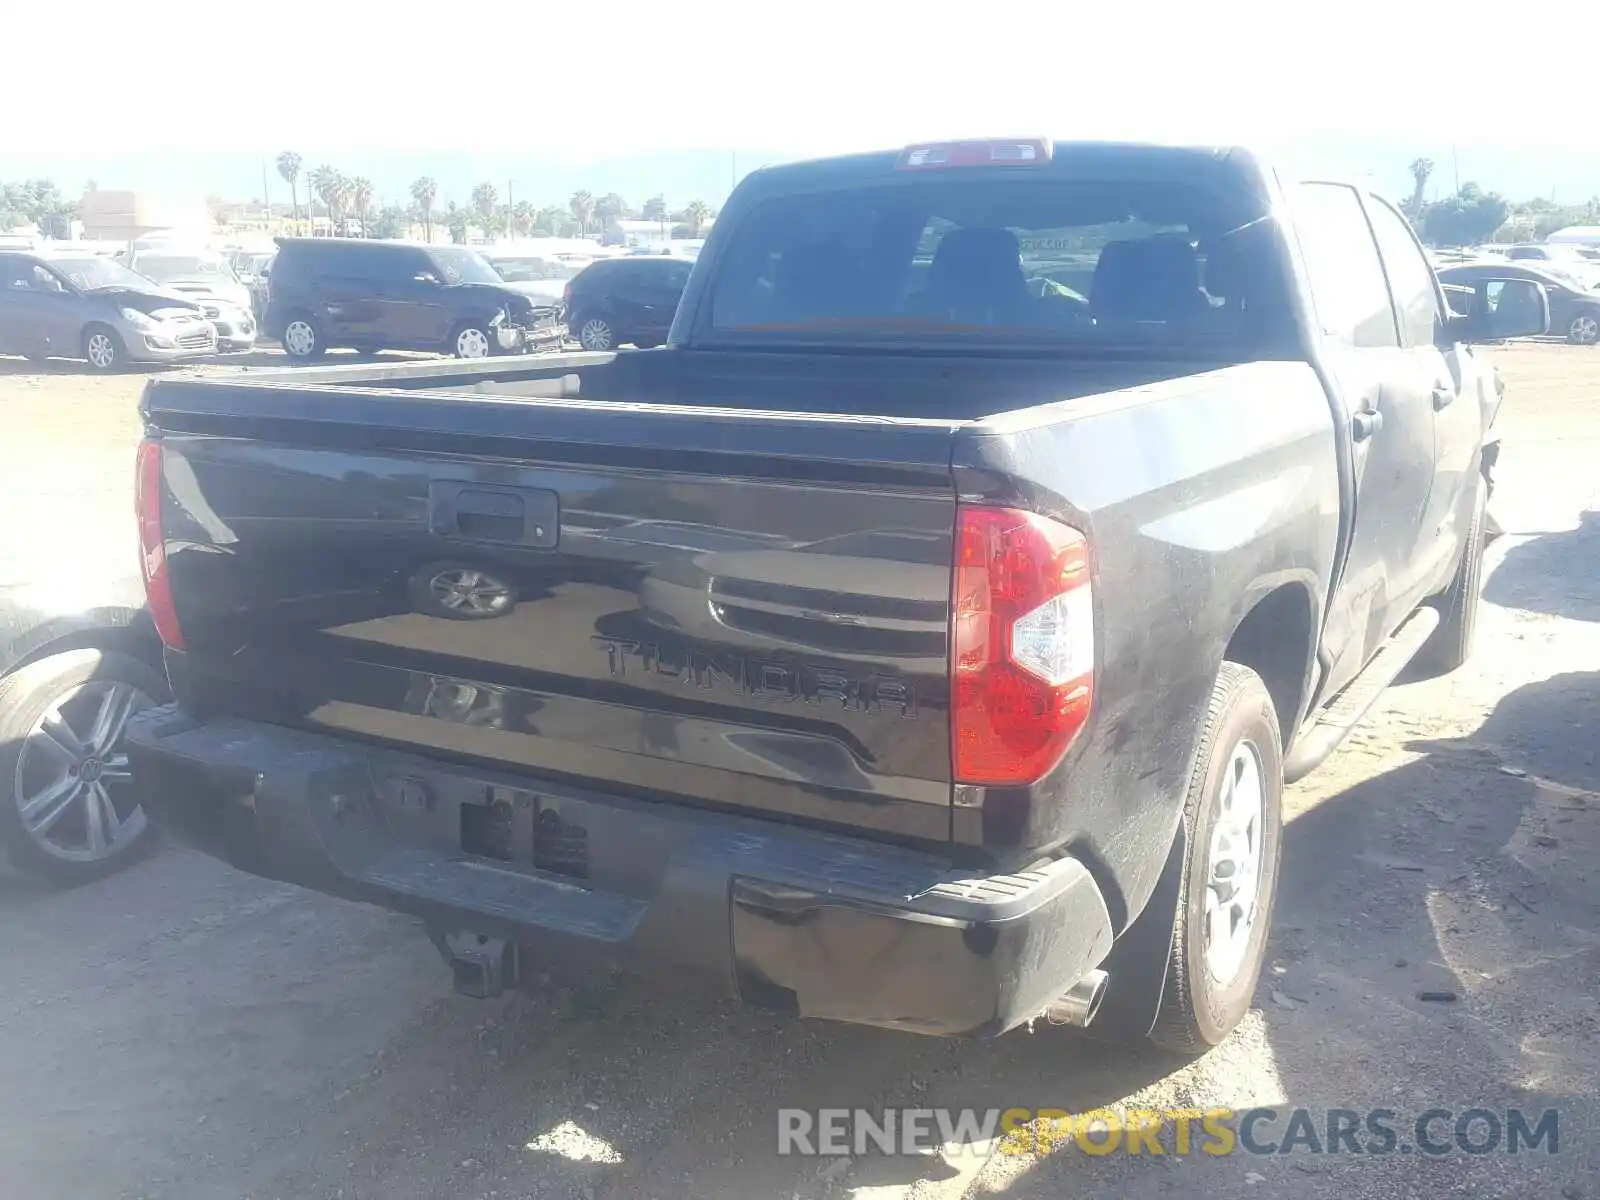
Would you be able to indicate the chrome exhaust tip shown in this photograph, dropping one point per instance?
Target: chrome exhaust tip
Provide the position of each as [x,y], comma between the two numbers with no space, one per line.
[1078,1005]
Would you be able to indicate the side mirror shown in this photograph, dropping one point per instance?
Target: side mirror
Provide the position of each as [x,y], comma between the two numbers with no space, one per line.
[1497,309]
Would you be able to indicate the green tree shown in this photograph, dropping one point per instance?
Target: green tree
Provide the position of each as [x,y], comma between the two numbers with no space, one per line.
[391,222]
[554,221]
[610,207]
[695,214]
[326,185]
[1465,219]
[655,208]
[582,205]
[289,168]
[523,215]
[424,191]
[361,201]
[456,223]
[1421,169]
[485,200]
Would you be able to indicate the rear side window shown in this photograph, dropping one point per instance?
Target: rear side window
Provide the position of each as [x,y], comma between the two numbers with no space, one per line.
[1416,301]
[1009,258]
[1342,266]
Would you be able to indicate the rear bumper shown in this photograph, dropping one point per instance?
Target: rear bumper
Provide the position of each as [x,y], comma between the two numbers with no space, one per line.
[815,923]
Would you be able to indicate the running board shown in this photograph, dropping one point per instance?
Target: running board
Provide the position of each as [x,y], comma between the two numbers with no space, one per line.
[1320,737]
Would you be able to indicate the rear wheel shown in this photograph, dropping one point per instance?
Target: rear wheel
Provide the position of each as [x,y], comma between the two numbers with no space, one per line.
[596,333]
[1584,330]
[302,340]
[102,348]
[1233,814]
[1450,645]
[66,806]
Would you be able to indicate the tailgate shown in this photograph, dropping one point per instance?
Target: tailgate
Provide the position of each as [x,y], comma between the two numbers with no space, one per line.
[736,609]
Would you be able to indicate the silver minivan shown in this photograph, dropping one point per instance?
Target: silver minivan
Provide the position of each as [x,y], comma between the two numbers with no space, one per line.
[91,308]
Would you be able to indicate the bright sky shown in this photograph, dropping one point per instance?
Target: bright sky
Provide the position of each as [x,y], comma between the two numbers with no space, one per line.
[589,80]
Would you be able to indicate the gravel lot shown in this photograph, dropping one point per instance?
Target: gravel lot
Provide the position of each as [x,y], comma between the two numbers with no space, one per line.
[184,1031]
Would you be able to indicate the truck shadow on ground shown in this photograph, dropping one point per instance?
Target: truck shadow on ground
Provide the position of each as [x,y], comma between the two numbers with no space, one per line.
[1545,574]
[1447,877]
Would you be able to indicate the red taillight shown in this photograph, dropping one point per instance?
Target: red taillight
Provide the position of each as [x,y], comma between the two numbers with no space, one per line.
[988,152]
[153,545]
[1022,644]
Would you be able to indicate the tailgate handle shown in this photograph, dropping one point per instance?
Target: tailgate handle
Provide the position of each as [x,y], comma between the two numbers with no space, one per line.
[487,513]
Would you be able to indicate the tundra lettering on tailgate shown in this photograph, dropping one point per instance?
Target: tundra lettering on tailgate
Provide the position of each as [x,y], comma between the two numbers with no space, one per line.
[761,678]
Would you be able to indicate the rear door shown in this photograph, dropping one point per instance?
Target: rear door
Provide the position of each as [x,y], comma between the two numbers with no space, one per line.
[1391,420]
[1447,374]
[663,288]
[345,303]
[412,300]
[633,293]
[19,328]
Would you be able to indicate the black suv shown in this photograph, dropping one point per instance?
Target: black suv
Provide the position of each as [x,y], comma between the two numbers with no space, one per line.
[625,300]
[375,295]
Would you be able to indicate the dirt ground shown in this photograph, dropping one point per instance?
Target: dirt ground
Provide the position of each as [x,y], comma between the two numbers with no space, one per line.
[184,1031]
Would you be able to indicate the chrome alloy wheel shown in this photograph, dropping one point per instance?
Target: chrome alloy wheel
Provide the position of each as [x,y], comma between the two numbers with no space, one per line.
[1233,866]
[470,592]
[71,783]
[100,351]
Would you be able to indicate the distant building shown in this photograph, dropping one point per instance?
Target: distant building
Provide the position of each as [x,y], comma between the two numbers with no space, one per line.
[1578,235]
[623,231]
[122,216]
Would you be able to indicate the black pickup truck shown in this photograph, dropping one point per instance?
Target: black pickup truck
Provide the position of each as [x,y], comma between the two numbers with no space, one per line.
[921,639]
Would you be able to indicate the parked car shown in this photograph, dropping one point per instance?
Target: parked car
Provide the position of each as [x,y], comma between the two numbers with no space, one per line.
[377,295]
[1574,312]
[89,307]
[254,269]
[205,277]
[542,278]
[1018,605]
[625,301]
[70,677]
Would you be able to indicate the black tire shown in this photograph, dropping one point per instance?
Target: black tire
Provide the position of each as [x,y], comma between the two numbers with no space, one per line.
[1451,644]
[1198,1010]
[302,350]
[103,349]
[594,332]
[474,329]
[26,695]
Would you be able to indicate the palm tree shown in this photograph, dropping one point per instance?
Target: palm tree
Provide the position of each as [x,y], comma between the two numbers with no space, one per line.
[361,200]
[324,183]
[695,214]
[1421,168]
[424,191]
[523,215]
[289,168]
[582,205]
[485,199]
[344,197]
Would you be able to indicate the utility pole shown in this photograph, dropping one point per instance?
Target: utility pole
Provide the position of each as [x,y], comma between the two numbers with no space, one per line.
[1455,165]
[510,204]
